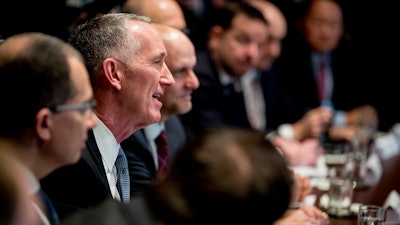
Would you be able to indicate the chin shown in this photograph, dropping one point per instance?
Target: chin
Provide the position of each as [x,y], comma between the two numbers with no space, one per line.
[76,159]
[184,110]
[156,118]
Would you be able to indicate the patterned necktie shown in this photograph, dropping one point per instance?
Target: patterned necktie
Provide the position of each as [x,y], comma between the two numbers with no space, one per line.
[321,76]
[162,153]
[123,183]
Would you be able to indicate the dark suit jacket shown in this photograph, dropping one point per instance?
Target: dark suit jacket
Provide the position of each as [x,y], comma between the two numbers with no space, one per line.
[112,212]
[280,107]
[142,170]
[141,165]
[295,69]
[80,186]
[210,101]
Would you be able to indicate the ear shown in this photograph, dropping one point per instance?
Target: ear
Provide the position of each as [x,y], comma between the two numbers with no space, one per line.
[215,36]
[112,72]
[43,123]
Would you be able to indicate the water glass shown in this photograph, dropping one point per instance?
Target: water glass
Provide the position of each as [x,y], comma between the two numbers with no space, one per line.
[341,188]
[371,215]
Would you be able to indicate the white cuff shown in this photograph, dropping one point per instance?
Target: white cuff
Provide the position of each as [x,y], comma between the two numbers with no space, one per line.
[286,131]
[339,119]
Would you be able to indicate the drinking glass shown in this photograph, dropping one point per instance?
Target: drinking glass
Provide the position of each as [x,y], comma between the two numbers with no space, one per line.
[340,191]
[371,215]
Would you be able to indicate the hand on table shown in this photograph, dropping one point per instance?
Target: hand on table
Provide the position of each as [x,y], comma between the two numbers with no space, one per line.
[304,153]
[305,215]
[313,124]
[301,187]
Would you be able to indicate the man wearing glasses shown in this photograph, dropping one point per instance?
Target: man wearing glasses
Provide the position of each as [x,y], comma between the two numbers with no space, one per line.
[45,128]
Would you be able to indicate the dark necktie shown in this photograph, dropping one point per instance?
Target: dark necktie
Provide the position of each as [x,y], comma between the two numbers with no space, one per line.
[236,114]
[51,213]
[162,153]
[123,182]
[321,76]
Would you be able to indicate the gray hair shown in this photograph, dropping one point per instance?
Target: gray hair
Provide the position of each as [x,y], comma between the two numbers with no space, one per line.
[105,37]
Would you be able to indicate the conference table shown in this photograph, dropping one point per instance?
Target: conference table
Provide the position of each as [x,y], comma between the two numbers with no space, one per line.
[373,195]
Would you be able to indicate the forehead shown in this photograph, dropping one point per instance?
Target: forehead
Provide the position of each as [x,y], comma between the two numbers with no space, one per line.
[325,9]
[181,51]
[169,12]
[151,43]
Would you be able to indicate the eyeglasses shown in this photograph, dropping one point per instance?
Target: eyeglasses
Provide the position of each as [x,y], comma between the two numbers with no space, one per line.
[74,107]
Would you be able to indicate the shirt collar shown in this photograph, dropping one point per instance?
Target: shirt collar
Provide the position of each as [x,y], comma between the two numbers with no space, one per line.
[225,78]
[152,131]
[106,143]
[34,185]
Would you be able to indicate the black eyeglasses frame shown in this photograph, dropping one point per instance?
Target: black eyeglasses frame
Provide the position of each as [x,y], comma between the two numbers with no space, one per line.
[73,107]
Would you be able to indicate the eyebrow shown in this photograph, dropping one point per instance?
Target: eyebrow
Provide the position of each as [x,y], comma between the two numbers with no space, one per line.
[163,55]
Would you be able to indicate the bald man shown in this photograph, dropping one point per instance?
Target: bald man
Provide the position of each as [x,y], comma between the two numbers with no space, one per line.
[140,148]
[160,11]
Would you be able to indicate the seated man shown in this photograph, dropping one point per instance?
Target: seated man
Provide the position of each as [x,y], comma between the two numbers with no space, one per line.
[141,148]
[46,128]
[317,66]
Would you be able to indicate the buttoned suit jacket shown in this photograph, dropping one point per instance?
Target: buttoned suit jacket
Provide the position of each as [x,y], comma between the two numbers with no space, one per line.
[80,186]
[210,108]
[142,169]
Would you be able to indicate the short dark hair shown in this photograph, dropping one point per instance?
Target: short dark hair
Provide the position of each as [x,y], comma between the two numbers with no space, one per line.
[35,76]
[224,16]
[224,176]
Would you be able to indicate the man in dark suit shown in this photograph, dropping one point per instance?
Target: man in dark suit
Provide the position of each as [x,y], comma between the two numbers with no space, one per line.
[319,47]
[140,148]
[125,58]
[233,50]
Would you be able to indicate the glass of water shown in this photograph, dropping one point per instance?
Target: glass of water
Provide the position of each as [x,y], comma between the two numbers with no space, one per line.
[371,215]
[340,191]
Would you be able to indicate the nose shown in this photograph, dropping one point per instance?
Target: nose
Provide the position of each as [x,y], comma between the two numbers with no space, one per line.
[192,81]
[253,52]
[166,76]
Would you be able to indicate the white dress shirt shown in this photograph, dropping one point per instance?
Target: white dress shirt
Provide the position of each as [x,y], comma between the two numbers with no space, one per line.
[152,131]
[109,148]
[34,188]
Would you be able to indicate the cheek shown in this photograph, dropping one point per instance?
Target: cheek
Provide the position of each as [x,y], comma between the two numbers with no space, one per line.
[72,130]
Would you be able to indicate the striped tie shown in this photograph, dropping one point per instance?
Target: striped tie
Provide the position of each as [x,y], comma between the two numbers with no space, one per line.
[123,183]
